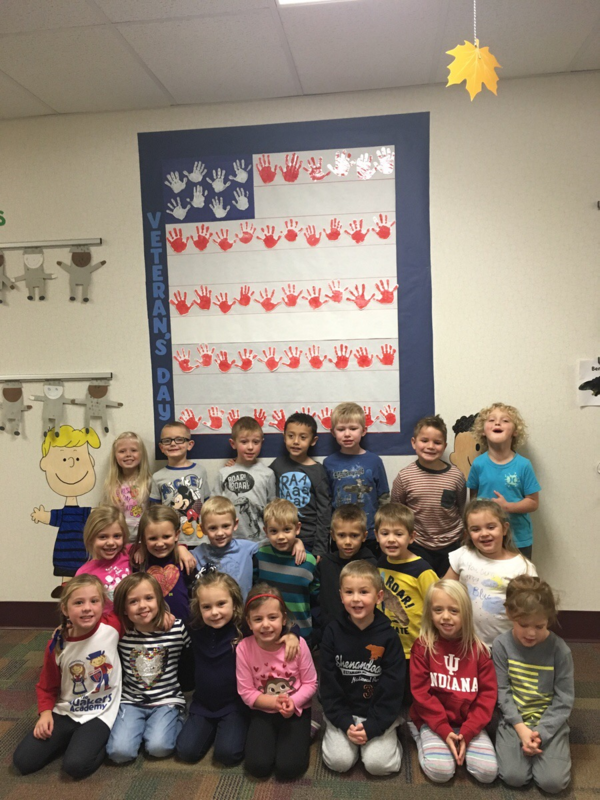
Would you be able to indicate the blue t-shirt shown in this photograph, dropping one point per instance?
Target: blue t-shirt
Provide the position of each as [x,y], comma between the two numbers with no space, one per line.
[357,479]
[235,559]
[69,550]
[514,481]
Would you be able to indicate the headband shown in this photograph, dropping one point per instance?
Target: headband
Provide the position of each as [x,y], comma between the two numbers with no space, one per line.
[257,596]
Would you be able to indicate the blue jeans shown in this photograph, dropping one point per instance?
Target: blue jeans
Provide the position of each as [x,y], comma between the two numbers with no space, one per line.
[157,726]
[228,733]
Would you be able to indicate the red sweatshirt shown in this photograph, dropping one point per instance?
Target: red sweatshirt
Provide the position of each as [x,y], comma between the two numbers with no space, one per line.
[450,690]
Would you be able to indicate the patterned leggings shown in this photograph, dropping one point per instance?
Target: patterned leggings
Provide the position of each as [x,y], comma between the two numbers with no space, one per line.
[437,762]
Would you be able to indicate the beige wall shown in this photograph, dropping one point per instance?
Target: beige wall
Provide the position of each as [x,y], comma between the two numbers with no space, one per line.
[514,230]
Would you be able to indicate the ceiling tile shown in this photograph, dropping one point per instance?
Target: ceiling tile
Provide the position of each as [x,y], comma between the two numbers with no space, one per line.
[140,10]
[17,102]
[362,45]
[17,16]
[214,59]
[80,69]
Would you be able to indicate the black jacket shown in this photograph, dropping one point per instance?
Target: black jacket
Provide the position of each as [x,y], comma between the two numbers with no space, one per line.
[328,573]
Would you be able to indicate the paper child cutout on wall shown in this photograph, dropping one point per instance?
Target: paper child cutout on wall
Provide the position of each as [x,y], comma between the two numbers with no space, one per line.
[96,403]
[466,449]
[52,411]
[5,281]
[35,275]
[80,271]
[13,406]
[69,468]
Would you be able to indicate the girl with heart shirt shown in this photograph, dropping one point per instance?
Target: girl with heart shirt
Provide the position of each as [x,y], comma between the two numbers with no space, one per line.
[152,703]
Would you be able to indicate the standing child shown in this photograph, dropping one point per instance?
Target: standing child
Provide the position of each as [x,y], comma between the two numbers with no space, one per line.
[104,536]
[247,483]
[182,484]
[486,564]
[454,689]
[278,692]
[127,484]
[217,715]
[304,482]
[355,475]
[277,563]
[80,686]
[362,679]
[435,492]
[152,702]
[504,475]
[406,576]
[535,690]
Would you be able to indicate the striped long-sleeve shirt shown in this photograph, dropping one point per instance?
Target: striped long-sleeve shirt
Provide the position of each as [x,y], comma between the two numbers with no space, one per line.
[295,582]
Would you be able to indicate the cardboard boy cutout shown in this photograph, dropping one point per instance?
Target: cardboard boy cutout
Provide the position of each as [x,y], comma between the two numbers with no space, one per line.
[96,403]
[466,449]
[4,279]
[52,411]
[80,271]
[13,406]
[35,276]
[69,469]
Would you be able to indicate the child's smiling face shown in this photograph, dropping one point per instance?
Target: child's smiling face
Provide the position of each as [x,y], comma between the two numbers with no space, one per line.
[108,542]
[298,440]
[219,528]
[498,427]
[160,538]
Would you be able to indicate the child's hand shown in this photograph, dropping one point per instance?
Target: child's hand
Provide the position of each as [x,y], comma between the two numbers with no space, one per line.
[185,559]
[299,552]
[530,740]
[285,706]
[230,462]
[44,726]
[168,621]
[292,645]
[138,556]
[457,745]
[502,502]
[356,734]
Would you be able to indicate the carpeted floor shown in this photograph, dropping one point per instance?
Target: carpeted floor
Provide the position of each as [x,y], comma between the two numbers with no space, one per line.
[21,655]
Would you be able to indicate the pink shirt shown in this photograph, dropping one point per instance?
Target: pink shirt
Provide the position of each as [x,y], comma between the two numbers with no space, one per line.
[110,573]
[267,672]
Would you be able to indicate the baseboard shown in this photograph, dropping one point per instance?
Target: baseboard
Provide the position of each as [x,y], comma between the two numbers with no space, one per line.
[574,626]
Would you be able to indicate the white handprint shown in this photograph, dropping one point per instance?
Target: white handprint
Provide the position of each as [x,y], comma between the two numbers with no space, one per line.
[218,182]
[240,199]
[342,164]
[176,209]
[386,158]
[241,173]
[199,195]
[216,206]
[364,167]
[175,183]
[197,173]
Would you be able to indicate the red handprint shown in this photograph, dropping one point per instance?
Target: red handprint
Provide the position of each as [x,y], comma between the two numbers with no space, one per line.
[315,359]
[368,417]
[335,230]
[222,301]
[246,234]
[260,415]
[355,231]
[342,356]
[265,170]
[359,298]
[184,361]
[291,230]
[388,415]
[222,239]
[270,359]
[215,416]
[223,362]
[246,359]
[189,419]
[324,416]
[203,236]
[176,240]
[206,355]
[245,296]
[203,298]
[363,357]
[304,410]
[233,417]
[268,239]
[313,295]
[382,228]
[292,168]
[180,302]
[278,420]
[310,234]
[315,169]
[291,296]
[266,300]
[337,293]
[387,294]
[388,353]
[293,356]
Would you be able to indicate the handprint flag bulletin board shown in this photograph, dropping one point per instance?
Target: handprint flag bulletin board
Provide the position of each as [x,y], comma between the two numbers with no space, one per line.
[288,269]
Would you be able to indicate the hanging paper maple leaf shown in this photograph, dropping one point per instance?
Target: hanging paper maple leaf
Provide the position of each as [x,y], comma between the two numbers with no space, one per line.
[475,65]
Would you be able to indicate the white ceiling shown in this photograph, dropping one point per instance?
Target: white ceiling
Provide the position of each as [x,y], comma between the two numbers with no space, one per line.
[65,56]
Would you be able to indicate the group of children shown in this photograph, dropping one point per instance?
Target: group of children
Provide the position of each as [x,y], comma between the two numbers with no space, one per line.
[418,602]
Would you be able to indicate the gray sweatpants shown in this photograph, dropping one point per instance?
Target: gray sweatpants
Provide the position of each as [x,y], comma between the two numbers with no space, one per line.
[551,770]
[381,755]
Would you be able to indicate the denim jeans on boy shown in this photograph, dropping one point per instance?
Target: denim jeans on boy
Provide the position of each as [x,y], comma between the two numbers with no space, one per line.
[157,726]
